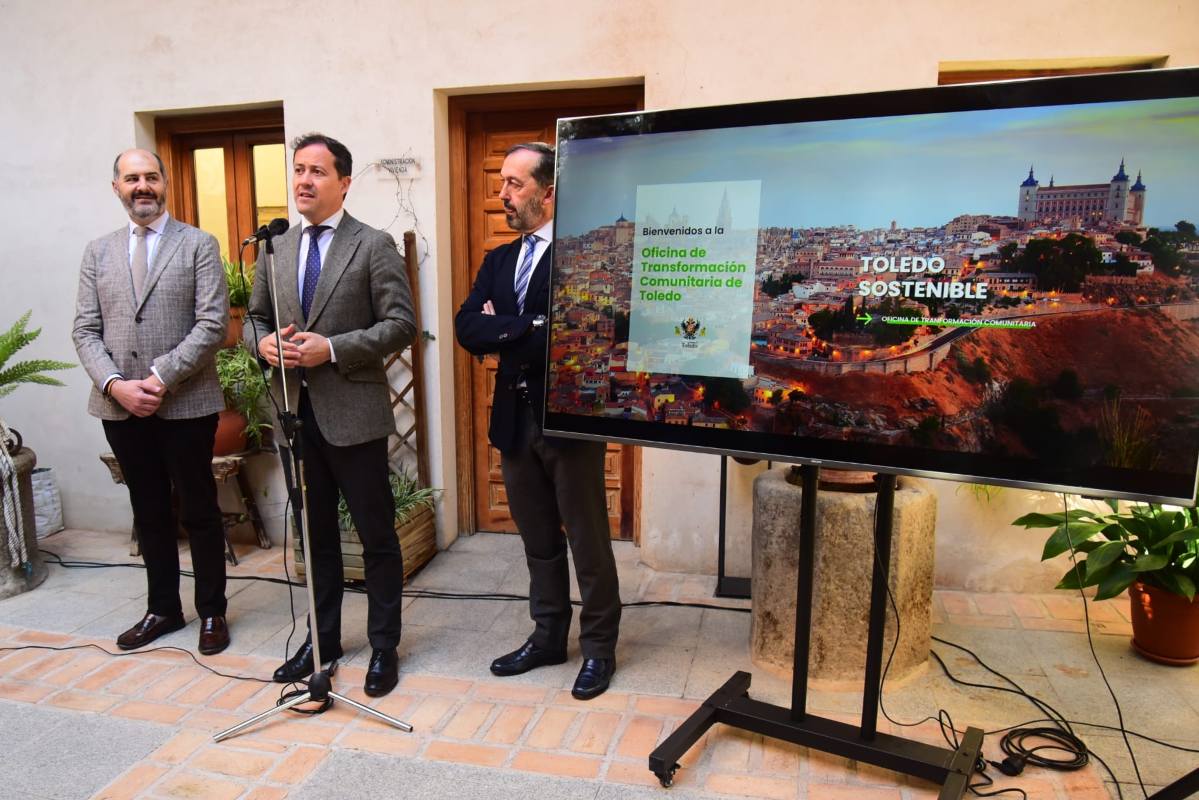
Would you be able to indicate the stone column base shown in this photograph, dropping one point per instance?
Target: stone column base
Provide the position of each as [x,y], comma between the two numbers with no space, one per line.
[15,580]
[844,562]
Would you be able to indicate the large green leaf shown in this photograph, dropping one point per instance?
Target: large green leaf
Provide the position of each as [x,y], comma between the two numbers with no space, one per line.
[1071,579]
[1119,578]
[1074,533]
[1103,556]
[1175,582]
[1184,535]
[1113,532]
[1150,562]
[1138,526]
[1035,520]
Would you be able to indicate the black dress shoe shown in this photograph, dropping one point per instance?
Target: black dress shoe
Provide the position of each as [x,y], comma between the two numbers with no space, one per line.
[150,628]
[383,673]
[594,677]
[528,657]
[214,635]
[299,666]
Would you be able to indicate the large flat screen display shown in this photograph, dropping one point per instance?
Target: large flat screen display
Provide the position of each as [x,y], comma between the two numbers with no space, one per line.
[995,283]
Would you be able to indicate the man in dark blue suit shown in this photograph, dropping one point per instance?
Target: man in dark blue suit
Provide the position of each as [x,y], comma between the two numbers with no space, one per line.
[552,483]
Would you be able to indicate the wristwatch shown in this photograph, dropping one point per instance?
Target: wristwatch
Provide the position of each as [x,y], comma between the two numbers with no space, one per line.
[539,321]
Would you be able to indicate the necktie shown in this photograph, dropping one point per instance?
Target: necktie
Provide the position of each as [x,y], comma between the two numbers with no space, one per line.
[312,267]
[138,266]
[525,272]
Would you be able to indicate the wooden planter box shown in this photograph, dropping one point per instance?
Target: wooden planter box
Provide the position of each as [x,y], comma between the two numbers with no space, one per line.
[418,541]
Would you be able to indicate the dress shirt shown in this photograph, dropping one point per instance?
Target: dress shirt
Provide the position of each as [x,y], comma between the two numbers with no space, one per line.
[543,234]
[153,234]
[323,242]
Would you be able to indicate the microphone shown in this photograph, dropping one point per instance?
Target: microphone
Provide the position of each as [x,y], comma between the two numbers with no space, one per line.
[275,227]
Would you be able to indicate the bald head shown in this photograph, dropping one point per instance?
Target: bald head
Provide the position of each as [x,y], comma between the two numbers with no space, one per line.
[116,162]
[139,179]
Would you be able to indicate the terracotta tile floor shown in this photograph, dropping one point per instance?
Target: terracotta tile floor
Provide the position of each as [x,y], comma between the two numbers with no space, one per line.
[141,725]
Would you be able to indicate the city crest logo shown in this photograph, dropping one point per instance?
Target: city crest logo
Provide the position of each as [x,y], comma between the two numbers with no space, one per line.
[689,329]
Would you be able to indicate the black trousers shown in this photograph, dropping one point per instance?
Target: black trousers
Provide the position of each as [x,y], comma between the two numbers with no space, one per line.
[154,454]
[555,484]
[359,472]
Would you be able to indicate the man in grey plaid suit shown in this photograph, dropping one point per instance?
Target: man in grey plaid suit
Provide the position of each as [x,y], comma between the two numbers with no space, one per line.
[151,314]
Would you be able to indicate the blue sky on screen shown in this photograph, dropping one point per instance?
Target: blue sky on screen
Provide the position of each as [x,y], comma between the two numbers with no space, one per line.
[918,170]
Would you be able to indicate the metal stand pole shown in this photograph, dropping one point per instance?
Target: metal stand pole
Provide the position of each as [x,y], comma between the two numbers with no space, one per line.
[726,585]
[320,682]
[1184,787]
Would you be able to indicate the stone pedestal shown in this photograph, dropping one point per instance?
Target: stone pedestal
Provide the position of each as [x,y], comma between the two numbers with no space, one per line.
[844,562]
[15,580]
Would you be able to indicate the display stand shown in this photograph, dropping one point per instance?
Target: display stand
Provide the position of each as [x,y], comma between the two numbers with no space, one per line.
[1184,787]
[731,705]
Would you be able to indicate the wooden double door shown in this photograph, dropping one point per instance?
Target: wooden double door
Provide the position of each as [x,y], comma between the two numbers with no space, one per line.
[482,128]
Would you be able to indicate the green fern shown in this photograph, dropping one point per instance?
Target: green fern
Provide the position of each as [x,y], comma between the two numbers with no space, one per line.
[13,340]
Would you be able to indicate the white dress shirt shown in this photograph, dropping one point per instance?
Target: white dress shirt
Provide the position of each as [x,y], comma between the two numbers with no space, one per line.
[543,235]
[153,235]
[323,242]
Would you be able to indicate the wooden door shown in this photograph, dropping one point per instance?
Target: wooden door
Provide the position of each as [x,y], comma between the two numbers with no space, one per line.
[483,128]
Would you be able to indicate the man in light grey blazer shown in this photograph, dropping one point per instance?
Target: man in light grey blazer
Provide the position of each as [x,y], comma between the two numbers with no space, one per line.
[344,305]
[150,316]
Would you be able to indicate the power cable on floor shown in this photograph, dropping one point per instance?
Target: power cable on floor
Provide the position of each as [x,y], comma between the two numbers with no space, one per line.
[359,588]
[1061,735]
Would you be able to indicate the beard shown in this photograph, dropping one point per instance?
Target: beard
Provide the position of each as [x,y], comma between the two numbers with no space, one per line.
[525,217]
[145,207]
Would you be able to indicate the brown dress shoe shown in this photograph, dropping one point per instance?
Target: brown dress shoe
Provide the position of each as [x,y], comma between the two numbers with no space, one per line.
[150,628]
[214,635]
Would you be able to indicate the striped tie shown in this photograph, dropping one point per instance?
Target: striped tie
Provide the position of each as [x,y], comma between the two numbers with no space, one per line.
[525,272]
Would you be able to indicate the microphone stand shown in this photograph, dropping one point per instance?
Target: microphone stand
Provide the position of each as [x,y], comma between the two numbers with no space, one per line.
[319,686]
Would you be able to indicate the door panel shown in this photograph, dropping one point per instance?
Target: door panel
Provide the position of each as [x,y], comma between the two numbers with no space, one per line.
[488,135]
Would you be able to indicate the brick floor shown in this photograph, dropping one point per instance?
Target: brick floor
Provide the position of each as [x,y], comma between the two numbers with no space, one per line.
[490,723]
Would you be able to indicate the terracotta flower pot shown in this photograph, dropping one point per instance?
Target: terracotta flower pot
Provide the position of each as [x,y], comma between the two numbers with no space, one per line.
[1165,626]
[237,320]
[230,433]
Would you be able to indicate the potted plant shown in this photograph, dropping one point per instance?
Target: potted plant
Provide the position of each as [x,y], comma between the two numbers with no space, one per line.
[17,462]
[1150,550]
[243,420]
[413,525]
[239,298]
[33,371]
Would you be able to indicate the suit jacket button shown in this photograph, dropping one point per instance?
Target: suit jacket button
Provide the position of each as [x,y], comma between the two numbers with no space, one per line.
[134,354]
[138,319]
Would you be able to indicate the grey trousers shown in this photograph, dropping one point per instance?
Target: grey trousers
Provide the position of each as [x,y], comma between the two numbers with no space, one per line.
[554,484]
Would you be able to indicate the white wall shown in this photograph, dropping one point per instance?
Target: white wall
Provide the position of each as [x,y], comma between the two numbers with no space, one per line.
[376,73]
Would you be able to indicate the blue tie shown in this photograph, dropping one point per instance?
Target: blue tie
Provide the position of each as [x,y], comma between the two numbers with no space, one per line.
[312,267]
[525,272]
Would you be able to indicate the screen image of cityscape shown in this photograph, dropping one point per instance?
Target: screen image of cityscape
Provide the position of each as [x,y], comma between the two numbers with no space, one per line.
[918,170]
[969,282]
